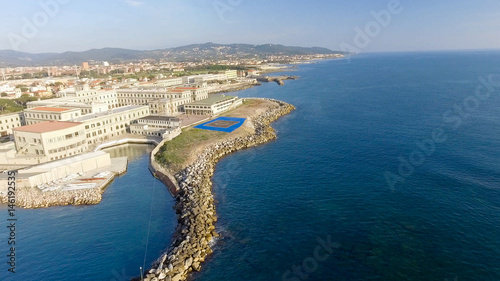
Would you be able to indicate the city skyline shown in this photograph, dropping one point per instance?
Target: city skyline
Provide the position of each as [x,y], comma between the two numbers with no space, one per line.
[365,26]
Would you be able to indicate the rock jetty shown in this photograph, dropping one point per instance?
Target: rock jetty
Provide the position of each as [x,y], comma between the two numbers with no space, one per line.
[31,198]
[195,206]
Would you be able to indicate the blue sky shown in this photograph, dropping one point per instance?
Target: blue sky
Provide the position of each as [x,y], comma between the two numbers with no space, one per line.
[77,25]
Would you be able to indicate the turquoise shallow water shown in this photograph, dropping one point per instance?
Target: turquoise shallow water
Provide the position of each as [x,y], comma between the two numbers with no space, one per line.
[321,181]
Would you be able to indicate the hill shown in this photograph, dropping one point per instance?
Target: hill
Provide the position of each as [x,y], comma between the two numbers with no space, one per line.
[207,51]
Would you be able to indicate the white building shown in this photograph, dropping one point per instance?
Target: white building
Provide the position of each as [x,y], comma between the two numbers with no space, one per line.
[42,114]
[102,126]
[197,94]
[9,122]
[156,125]
[86,108]
[160,101]
[165,83]
[213,105]
[231,74]
[50,140]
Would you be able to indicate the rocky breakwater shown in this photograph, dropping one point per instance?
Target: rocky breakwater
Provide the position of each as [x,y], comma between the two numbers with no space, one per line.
[195,206]
[30,198]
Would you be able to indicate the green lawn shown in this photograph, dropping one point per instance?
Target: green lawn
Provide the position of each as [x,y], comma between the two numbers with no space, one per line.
[9,106]
[175,152]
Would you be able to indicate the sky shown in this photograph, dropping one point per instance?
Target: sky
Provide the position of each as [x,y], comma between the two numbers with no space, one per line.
[38,26]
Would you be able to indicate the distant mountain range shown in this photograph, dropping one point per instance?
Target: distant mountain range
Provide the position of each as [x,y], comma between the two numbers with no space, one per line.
[194,52]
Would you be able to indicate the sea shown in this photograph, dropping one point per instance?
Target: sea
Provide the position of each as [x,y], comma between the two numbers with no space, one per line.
[388,169]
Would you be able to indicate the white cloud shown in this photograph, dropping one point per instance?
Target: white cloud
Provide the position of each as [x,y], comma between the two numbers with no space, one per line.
[134,3]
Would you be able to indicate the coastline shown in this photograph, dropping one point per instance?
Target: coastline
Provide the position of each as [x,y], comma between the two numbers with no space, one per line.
[195,208]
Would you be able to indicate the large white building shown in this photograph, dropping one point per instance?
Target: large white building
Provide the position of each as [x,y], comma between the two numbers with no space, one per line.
[213,105]
[86,108]
[157,126]
[102,126]
[42,114]
[201,78]
[50,140]
[197,93]
[165,83]
[160,101]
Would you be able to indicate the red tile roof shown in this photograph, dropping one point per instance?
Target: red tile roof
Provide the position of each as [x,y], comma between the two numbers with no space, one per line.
[51,109]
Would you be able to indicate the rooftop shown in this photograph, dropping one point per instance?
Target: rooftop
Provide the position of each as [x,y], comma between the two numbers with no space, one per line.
[122,109]
[51,109]
[45,127]
[160,118]
[212,100]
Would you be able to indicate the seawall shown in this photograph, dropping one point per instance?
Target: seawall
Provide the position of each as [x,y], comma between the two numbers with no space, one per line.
[195,207]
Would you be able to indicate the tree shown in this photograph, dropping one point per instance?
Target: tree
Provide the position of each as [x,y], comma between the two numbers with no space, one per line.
[4,94]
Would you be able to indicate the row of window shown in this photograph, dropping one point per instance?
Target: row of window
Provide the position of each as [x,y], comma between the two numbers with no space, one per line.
[66,137]
[147,133]
[106,137]
[44,116]
[67,147]
[11,120]
[117,119]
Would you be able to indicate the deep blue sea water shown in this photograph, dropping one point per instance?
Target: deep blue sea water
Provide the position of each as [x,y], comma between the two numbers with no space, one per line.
[324,176]
[322,182]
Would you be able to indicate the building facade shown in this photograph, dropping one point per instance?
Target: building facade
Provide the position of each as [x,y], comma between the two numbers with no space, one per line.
[9,122]
[156,125]
[102,126]
[50,140]
[213,105]
[165,83]
[161,101]
[42,114]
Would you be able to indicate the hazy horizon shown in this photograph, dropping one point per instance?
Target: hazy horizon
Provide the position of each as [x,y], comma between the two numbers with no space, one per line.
[364,26]
[367,52]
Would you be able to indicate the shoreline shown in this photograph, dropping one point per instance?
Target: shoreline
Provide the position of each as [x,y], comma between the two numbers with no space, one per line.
[195,204]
